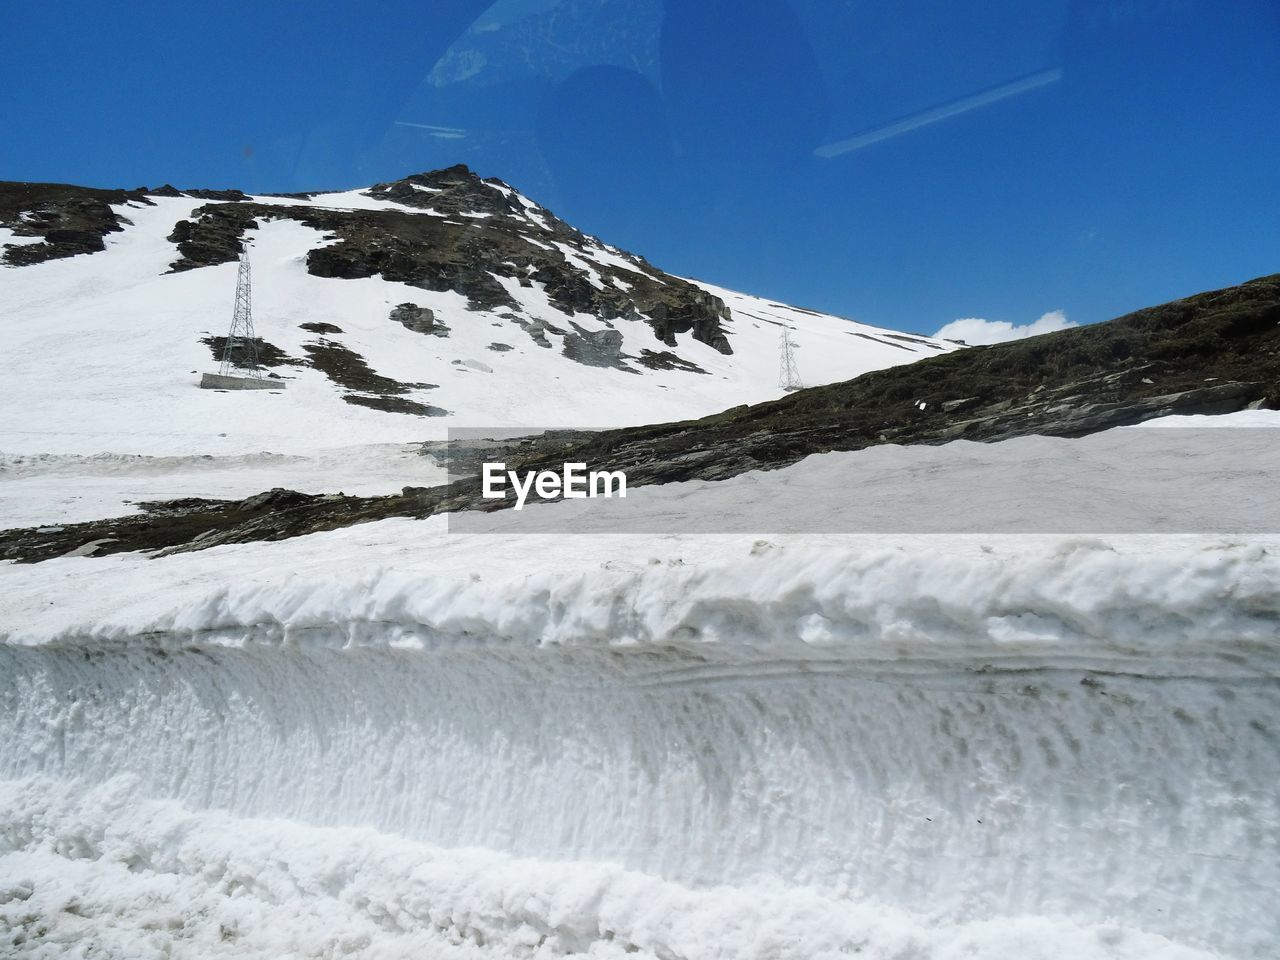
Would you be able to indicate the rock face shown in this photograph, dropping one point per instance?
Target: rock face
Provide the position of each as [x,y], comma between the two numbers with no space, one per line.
[600,348]
[67,220]
[1216,352]
[477,237]
[419,320]
[209,240]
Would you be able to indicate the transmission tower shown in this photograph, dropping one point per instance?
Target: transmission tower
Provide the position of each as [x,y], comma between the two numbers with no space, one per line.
[788,375]
[240,355]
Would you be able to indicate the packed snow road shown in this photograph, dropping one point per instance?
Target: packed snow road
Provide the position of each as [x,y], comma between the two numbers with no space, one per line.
[715,747]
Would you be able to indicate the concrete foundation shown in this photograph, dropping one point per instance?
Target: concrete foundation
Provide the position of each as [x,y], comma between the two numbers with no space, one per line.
[217,381]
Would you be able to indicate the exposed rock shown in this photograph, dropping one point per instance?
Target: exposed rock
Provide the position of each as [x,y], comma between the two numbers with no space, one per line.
[666,360]
[500,347]
[348,369]
[269,355]
[320,327]
[196,524]
[454,191]
[887,343]
[69,220]
[538,330]
[215,237]
[223,195]
[419,320]
[598,348]
[396,405]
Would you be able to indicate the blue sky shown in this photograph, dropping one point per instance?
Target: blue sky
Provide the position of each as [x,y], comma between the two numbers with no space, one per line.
[908,164]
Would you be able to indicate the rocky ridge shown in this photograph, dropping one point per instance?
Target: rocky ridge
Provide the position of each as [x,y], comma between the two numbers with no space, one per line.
[451,230]
[444,230]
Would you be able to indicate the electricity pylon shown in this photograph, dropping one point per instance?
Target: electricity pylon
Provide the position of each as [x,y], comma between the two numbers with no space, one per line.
[788,375]
[240,355]
[241,366]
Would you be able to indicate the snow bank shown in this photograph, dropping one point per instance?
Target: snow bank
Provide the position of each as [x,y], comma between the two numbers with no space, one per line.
[405,583]
[383,739]
[154,880]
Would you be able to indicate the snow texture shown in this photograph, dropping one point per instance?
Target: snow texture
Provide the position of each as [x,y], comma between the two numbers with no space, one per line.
[390,741]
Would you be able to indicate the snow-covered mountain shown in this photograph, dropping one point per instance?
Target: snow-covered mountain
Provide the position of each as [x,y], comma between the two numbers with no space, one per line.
[390,313]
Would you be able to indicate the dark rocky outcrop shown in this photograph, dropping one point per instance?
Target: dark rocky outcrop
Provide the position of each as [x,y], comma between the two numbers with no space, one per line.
[469,236]
[537,329]
[595,348]
[216,236]
[666,360]
[69,220]
[1216,352]
[193,523]
[419,320]
[227,196]
[269,355]
[349,370]
[396,405]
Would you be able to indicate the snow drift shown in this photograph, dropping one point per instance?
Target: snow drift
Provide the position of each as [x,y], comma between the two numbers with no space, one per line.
[714,747]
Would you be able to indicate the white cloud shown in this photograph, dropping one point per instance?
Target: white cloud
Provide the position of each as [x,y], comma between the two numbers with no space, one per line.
[978,332]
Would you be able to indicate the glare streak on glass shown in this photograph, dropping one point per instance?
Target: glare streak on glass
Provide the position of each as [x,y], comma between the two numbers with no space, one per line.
[946,110]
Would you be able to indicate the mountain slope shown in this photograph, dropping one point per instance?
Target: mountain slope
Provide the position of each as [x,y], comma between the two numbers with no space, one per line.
[390,312]
[1217,352]
[1213,353]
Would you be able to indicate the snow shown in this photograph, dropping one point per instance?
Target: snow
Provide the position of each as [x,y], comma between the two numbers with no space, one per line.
[536,218]
[9,238]
[345,200]
[153,879]
[386,738]
[1241,418]
[572,255]
[604,254]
